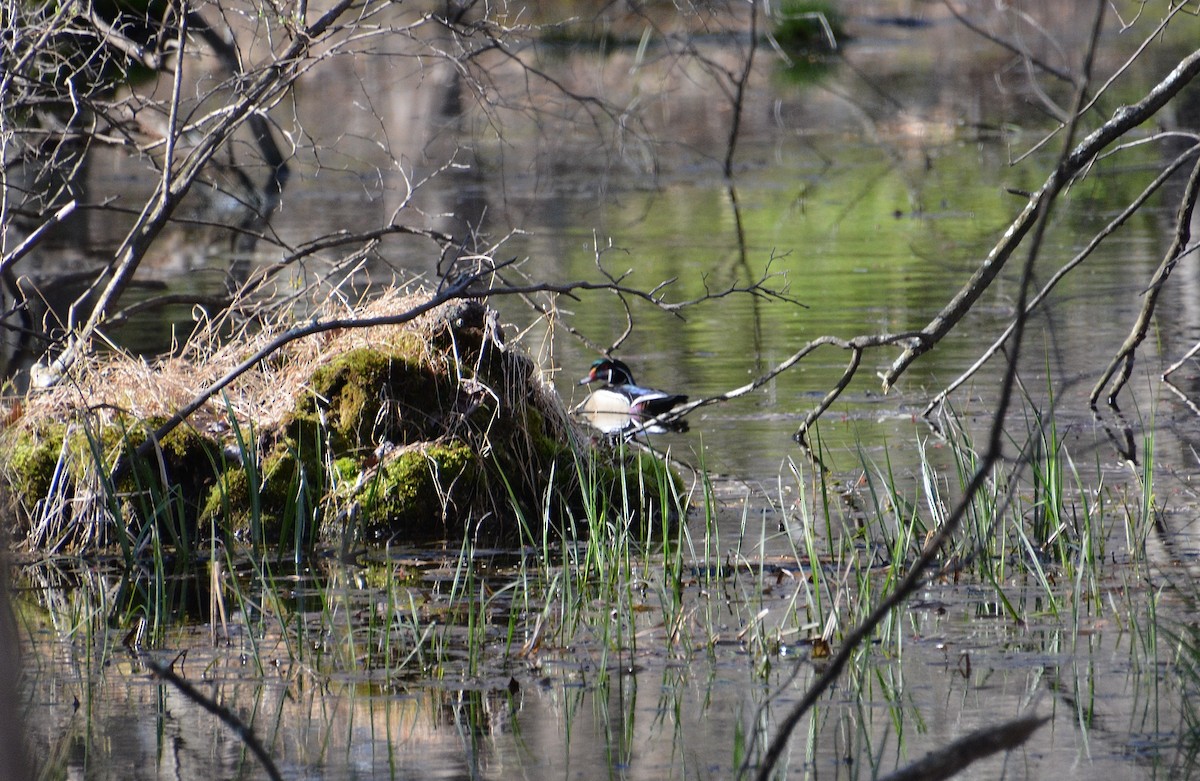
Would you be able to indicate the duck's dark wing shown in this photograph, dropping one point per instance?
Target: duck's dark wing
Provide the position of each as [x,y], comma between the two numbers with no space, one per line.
[652,403]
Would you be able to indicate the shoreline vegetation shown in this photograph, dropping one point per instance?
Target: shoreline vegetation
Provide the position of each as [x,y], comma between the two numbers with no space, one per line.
[262,495]
[427,429]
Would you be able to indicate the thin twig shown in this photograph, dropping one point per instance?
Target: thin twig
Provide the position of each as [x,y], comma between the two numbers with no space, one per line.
[1123,120]
[270,82]
[1003,43]
[1121,364]
[1059,275]
[991,454]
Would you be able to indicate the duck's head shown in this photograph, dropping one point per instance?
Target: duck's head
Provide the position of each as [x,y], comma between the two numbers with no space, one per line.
[610,371]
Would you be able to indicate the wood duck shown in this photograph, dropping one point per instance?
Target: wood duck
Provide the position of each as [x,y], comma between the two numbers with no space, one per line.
[622,403]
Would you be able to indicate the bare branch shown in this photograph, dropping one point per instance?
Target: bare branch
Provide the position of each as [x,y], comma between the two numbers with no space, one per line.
[1123,120]
[275,78]
[991,454]
[1059,275]
[1121,365]
[31,241]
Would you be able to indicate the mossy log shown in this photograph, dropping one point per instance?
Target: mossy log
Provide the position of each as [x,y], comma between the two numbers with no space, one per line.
[429,430]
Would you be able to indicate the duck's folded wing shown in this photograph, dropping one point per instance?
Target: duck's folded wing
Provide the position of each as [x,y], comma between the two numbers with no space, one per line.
[651,402]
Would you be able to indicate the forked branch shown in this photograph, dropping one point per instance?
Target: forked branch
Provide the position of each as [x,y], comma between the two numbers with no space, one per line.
[1121,365]
[1123,120]
[1061,274]
[989,456]
[919,342]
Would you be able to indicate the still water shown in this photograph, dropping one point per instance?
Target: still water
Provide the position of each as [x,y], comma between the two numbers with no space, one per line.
[867,196]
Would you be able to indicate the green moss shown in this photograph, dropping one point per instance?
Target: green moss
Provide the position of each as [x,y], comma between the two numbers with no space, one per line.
[33,455]
[228,502]
[168,488]
[460,451]
[368,396]
[804,26]
[346,468]
[32,460]
[413,490]
[186,464]
[290,481]
[284,495]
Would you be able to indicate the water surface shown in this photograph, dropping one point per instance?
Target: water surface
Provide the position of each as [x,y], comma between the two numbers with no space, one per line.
[868,196]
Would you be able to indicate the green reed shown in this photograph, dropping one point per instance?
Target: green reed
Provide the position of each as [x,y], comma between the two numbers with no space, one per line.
[615,574]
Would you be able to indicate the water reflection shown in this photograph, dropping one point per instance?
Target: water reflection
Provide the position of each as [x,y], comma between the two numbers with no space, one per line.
[877,212]
[876,189]
[951,663]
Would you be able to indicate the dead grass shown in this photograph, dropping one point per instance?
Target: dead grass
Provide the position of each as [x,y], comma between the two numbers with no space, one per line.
[111,383]
[489,397]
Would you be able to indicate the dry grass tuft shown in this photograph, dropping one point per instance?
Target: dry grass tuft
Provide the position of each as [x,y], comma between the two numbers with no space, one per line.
[109,384]
[481,411]
[455,428]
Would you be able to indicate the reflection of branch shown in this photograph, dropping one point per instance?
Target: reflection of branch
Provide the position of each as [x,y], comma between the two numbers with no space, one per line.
[743,262]
[739,92]
[1021,52]
[272,189]
[1124,119]
[1123,441]
[1122,363]
[244,733]
[915,575]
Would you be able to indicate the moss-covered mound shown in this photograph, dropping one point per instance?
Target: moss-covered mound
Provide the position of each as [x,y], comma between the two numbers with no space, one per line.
[430,428]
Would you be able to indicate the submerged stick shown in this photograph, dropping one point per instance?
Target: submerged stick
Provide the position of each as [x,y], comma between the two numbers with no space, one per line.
[244,733]
[950,760]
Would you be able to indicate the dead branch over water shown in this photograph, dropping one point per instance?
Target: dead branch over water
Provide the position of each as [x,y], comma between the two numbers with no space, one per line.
[256,90]
[990,455]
